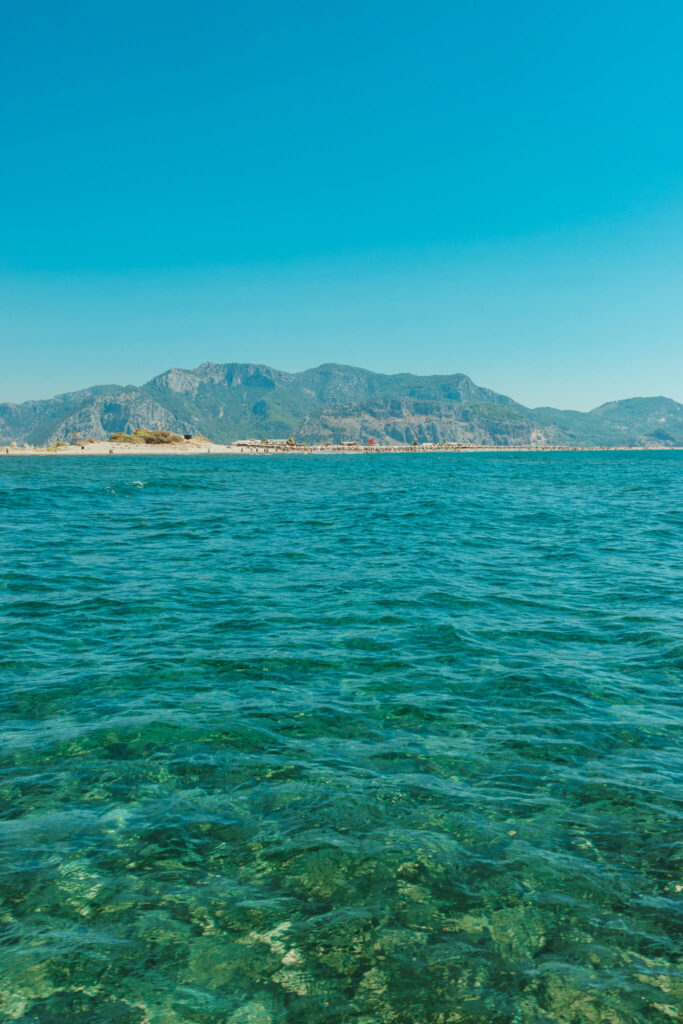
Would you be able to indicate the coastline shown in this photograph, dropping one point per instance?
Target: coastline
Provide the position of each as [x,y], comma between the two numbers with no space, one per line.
[109,449]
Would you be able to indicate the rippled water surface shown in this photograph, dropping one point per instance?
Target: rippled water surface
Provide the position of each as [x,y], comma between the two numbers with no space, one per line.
[342,739]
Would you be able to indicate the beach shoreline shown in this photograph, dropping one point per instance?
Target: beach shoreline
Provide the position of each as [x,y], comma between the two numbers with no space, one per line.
[111,449]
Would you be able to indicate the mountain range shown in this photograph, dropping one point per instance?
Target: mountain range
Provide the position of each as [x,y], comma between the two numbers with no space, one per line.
[228,401]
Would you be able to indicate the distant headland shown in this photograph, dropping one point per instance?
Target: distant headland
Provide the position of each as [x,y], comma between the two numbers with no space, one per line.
[331,407]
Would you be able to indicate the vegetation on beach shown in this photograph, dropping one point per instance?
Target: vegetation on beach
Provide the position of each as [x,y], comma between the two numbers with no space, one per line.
[144,436]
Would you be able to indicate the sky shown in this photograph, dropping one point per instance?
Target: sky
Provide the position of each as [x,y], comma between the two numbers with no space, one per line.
[437,187]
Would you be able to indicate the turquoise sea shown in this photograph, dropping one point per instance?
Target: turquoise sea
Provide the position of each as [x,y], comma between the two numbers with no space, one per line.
[342,739]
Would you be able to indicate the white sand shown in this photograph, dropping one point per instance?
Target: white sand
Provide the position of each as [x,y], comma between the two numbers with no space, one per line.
[110,448]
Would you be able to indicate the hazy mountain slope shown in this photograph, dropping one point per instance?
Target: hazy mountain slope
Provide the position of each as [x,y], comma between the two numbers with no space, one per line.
[37,422]
[124,410]
[333,383]
[644,418]
[237,400]
[407,420]
[227,401]
[631,421]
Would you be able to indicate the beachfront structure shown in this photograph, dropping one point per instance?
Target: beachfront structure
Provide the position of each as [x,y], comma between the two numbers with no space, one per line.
[266,442]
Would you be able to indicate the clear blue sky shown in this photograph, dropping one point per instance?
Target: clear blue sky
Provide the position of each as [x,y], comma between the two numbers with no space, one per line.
[487,187]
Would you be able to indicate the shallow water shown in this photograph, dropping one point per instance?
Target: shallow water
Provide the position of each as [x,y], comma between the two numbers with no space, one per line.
[342,739]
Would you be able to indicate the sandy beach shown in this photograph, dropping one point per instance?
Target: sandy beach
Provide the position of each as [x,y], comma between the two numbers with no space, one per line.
[109,448]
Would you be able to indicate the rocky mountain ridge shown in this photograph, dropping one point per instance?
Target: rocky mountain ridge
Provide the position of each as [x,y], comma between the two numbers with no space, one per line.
[332,402]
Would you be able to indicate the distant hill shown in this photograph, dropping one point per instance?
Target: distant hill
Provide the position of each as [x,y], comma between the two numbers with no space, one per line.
[227,401]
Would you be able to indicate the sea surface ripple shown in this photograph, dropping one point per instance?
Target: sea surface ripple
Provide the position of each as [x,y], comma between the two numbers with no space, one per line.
[342,739]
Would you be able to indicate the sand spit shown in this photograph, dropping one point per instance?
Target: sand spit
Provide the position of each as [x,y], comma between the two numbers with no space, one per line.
[203,447]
